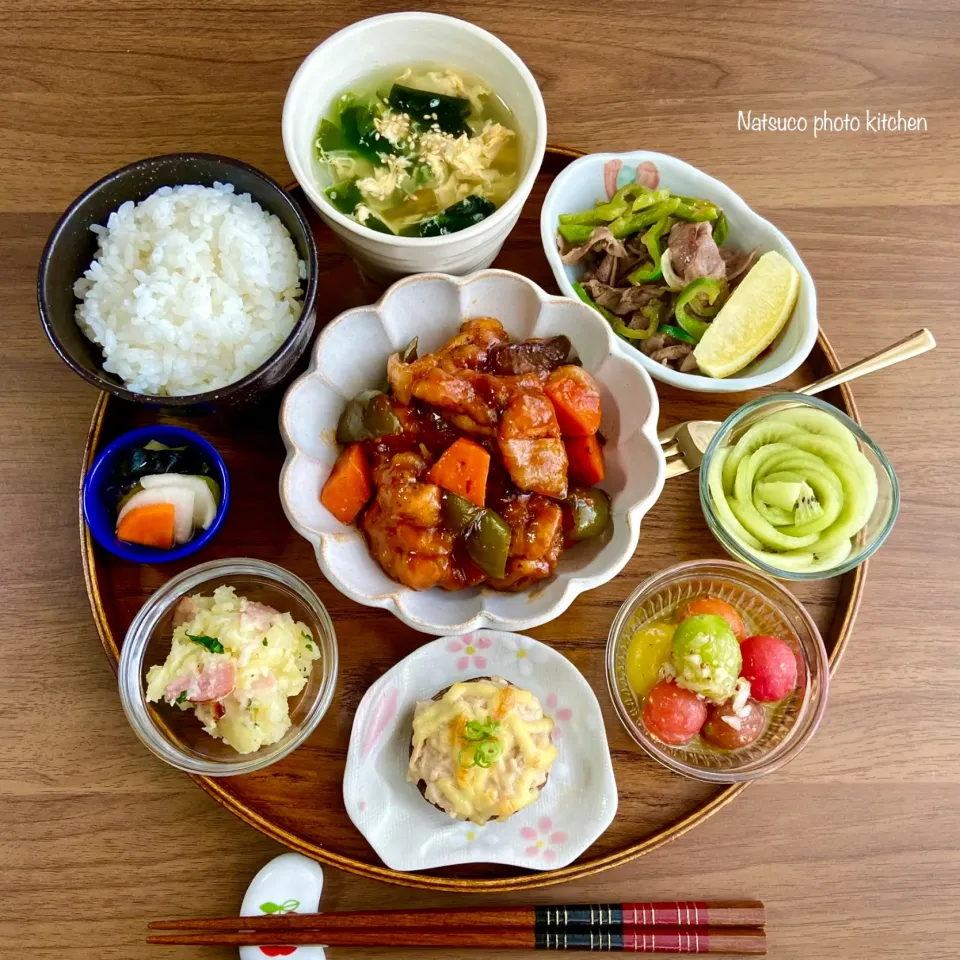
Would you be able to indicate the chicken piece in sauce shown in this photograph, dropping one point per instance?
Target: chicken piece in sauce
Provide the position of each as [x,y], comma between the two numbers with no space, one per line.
[404,524]
[536,525]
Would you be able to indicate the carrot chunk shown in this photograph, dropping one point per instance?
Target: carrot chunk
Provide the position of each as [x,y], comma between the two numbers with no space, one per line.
[349,486]
[462,469]
[585,456]
[576,399]
[150,525]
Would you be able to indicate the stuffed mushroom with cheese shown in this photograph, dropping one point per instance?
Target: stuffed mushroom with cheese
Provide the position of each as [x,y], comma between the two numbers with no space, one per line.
[482,749]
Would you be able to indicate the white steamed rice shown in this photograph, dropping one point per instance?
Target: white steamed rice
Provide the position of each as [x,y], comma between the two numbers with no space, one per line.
[191,289]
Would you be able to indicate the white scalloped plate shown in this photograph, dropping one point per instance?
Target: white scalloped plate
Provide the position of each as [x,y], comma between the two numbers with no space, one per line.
[350,356]
[575,807]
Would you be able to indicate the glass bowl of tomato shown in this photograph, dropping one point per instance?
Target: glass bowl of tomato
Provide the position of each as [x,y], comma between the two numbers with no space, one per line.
[717,671]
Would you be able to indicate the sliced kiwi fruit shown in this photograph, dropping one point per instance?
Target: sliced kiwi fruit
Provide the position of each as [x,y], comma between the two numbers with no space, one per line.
[762,435]
[817,422]
[780,493]
[715,484]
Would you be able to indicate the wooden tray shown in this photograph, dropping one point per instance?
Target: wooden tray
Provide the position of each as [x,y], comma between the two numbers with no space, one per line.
[298,801]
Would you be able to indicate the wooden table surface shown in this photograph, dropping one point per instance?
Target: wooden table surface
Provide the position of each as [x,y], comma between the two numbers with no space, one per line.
[856,846]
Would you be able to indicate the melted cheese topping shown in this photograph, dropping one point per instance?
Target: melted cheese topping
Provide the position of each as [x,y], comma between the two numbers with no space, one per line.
[478,793]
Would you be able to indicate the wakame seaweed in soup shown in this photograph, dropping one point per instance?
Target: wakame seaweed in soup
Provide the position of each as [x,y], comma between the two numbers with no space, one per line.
[424,152]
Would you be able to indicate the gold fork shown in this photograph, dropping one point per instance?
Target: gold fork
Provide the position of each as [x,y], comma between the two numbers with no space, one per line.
[685,444]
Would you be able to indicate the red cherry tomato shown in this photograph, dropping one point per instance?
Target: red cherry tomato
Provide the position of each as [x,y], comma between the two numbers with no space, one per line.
[719,608]
[672,714]
[725,730]
[770,666]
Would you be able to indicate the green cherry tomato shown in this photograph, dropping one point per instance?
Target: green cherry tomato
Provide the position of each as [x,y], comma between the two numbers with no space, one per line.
[706,656]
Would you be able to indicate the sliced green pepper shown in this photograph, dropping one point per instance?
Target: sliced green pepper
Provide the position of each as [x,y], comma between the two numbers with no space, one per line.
[586,513]
[458,216]
[703,307]
[575,233]
[651,240]
[652,312]
[632,197]
[676,333]
[720,228]
[487,540]
[702,286]
[345,196]
[696,210]
[648,198]
[585,216]
[626,225]
[458,512]
[368,416]
[425,108]
[586,298]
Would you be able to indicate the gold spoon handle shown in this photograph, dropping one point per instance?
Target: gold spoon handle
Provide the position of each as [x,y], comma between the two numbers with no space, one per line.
[912,346]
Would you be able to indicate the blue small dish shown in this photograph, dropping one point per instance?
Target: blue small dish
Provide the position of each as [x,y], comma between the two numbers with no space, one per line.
[101,514]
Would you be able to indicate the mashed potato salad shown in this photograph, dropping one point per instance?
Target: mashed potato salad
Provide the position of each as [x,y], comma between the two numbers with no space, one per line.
[234,662]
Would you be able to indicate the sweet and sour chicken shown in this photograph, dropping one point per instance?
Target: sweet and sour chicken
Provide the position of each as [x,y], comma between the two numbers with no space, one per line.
[466,472]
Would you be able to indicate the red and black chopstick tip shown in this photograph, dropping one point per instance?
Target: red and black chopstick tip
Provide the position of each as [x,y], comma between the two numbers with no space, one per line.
[616,916]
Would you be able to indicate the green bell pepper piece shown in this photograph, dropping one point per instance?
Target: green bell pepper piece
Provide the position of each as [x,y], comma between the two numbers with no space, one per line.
[652,312]
[629,224]
[676,333]
[575,233]
[648,198]
[696,210]
[710,308]
[487,540]
[720,228]
[651,240]
[368,416]
[458,512]
[710,289]
[584,217]
[620,203]
[586,513]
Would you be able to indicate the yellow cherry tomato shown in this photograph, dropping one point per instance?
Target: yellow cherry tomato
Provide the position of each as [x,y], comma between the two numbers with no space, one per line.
[649,650]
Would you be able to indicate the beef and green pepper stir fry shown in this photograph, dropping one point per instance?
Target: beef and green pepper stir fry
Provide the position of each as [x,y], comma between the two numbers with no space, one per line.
[655,264]
[478,464]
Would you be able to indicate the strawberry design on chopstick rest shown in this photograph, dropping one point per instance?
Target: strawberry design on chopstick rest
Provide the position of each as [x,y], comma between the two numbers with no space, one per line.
[289,883]
[278,909]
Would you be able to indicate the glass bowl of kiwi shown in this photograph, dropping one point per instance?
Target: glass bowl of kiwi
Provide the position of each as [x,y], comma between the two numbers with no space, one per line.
[796,489]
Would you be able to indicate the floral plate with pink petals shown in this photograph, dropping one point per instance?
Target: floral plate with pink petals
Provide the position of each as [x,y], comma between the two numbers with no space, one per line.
[575,807]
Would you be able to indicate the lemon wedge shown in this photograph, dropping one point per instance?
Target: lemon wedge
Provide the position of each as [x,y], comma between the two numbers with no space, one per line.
[750,320]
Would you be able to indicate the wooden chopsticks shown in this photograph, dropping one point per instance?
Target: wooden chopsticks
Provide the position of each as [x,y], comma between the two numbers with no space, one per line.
[730,927]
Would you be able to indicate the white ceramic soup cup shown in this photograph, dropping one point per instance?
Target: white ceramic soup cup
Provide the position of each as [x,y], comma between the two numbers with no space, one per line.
[400,40]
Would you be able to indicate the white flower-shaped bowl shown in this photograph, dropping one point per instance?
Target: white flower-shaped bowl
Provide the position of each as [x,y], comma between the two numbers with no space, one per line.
[350,356]
[580,186]
[575,807]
